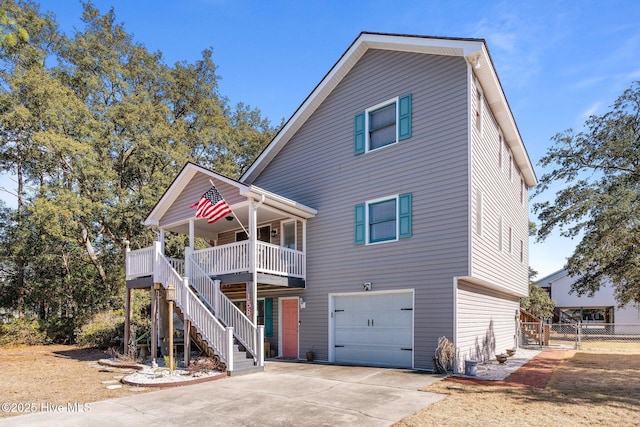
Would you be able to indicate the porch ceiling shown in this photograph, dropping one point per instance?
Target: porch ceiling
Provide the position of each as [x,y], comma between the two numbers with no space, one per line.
[210,231]
[173,212]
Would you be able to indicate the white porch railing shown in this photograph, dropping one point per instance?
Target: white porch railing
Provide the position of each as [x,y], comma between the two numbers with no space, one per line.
[227,312]
[225,259]
[234,258]
[177,264]
[194,310]
[275,259]
[139,263]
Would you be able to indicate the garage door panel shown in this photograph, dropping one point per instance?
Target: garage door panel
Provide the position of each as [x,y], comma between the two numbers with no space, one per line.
[374,329]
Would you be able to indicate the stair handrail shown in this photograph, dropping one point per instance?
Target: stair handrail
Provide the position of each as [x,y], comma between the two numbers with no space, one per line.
[243,328]
[565,317]
[527,317]
[194,310]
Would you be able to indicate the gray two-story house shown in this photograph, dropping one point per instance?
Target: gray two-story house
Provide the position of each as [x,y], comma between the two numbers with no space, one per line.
[389,211]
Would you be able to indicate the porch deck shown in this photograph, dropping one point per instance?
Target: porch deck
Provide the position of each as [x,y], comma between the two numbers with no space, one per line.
[222,260]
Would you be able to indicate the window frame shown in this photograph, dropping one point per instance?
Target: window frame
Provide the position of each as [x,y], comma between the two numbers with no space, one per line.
[260,228]
[367,143]
[295,234]
[367,220]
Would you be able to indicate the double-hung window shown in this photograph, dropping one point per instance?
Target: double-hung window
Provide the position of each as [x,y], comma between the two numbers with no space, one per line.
[383,220]
[383,124]
[382,129]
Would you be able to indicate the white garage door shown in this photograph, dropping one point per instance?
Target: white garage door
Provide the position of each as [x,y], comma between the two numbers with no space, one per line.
[374,329]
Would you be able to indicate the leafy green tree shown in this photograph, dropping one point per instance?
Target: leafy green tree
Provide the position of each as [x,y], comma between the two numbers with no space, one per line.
[539,302]
[95,127]
[599,168]
[10,33]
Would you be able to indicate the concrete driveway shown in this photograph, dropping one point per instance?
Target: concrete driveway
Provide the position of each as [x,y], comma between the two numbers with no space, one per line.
[286,394]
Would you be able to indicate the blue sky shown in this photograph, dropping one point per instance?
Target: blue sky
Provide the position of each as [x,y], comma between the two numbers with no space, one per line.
[558,61]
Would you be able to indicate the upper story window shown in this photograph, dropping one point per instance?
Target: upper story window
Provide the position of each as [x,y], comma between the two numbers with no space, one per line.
[383,220]
[383,124]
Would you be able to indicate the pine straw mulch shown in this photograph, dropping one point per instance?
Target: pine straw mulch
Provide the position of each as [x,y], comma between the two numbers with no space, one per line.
[586,388]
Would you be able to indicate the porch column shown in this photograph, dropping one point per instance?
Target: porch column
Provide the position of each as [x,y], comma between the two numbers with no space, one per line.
[187,264]
[161,239]
[253,259]
[192,234]
[163,311]
[171,336]
[304,247]
[127,321]
[304,235]
[187,341]
[154,323]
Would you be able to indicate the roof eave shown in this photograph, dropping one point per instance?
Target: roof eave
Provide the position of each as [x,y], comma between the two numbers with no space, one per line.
[179,183]
[467,48]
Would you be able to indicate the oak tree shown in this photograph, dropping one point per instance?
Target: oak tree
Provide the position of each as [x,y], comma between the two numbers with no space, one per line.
[598,169]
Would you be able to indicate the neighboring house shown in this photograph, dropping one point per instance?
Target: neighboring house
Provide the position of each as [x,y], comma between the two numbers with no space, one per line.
[389,211]
[599,308]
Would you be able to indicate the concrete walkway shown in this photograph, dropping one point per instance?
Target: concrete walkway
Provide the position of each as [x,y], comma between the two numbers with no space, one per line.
[286,394]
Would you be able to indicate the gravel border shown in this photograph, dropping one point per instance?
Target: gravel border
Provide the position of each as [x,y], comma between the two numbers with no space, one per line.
[492,370]
[161,377]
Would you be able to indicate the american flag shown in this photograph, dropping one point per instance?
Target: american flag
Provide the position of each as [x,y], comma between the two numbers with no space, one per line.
[211,206]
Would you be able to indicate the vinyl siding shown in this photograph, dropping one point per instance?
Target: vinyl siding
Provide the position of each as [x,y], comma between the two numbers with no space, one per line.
[500,198]
[318,168]
[486,323]
[199,184]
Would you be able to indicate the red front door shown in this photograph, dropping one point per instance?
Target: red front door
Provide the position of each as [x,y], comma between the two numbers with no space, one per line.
[290,328]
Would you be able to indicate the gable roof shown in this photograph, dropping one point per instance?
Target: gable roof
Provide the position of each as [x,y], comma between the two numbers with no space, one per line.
[189,170]
[547,280]
[473,50]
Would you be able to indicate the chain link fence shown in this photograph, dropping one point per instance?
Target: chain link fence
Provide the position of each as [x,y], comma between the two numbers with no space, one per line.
[574,334]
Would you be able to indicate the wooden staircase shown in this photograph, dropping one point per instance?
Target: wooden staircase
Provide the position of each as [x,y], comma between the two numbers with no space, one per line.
[243,361]
[533,330]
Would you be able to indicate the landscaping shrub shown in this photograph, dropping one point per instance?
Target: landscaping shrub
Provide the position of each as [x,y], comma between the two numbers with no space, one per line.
[102,330]
[61,330]
[23,330]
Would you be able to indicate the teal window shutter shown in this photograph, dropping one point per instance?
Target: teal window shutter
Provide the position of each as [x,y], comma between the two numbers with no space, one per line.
[404,117]
[268,317]
[404,215]
[358,134]
[359,225]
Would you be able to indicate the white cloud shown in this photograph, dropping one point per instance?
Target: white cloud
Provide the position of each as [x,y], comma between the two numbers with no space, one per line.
[590,111]
[588,82]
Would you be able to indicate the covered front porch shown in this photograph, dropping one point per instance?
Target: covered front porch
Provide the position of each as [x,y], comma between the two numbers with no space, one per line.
[260,245]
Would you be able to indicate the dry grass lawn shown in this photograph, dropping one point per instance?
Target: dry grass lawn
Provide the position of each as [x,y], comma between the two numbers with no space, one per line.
[588,388]
[55,374]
